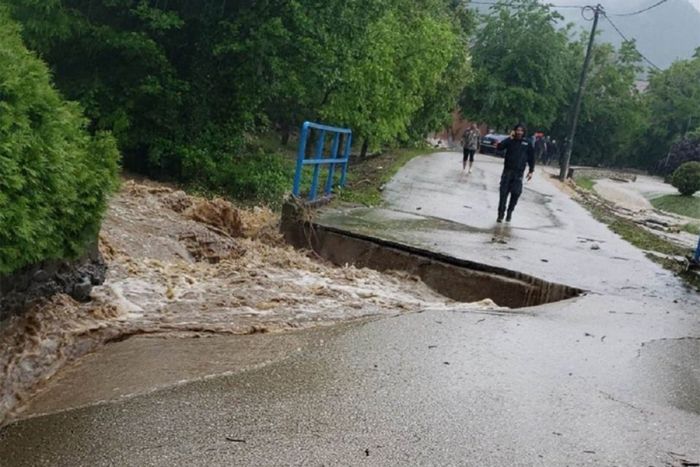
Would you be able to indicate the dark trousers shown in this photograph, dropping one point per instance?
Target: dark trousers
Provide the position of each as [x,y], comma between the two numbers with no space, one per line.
[511,184]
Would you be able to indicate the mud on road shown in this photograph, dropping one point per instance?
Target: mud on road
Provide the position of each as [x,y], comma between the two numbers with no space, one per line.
[183,265]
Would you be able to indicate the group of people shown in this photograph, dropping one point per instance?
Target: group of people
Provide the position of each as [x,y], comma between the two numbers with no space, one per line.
[546,149]
[519,154]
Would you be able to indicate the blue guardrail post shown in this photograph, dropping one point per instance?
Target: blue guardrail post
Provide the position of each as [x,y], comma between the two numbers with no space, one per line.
[319,158]
[697,252]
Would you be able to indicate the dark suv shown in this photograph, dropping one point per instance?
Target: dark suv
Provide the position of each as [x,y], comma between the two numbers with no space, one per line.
[489,144]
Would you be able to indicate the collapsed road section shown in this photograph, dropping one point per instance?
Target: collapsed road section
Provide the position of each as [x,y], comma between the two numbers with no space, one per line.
[457,279]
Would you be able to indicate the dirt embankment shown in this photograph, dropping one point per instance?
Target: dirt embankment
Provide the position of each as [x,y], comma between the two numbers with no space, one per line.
[189,266]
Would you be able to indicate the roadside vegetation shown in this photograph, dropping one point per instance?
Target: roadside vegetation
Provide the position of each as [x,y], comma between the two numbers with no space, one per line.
[688,206]
[691,228]
[585,183]
[54,174]
[188,88]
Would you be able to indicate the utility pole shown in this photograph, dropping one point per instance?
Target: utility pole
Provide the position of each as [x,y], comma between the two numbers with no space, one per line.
[598,10]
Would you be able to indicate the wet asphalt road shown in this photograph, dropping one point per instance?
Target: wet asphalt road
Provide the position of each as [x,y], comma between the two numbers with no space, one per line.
[610,378]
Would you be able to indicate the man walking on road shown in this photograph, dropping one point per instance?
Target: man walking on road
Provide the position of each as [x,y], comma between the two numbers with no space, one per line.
[470,143]
[519,153]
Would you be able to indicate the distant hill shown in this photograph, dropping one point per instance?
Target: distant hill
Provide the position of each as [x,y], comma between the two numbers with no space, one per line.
[666,33]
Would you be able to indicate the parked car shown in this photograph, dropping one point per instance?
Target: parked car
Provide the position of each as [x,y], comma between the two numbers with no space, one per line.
[489,144]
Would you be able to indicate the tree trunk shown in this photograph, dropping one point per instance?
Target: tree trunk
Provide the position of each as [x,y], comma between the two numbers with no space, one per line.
[286,132]
[365,146]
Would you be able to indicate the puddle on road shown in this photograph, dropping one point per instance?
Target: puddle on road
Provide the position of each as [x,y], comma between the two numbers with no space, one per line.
[144,364]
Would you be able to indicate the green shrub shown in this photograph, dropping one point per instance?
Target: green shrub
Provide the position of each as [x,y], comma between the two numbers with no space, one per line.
[54,176]
[256,177]
[687,178]
[229,166]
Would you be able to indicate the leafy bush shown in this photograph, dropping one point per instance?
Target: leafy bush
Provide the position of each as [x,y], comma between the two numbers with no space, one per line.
[687,178]
[256,177]
[54,175]
[227,165]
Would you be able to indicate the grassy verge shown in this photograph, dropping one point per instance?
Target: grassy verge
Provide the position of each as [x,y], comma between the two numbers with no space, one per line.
[691,228]
[585,183]
[684,205]
[366,178]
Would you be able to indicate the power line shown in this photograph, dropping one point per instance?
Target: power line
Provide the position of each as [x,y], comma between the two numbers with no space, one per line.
[515,3]
[628,40]
[661,2]
[583,8]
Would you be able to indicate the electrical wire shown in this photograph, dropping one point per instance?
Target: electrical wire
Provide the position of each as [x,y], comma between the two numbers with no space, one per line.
[514,3]
[661,2]
[583,9]
[628,40]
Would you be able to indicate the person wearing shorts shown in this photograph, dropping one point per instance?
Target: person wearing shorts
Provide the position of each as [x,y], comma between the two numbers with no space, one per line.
[470,144]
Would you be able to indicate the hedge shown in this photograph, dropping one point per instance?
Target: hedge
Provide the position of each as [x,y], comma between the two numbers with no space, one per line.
[54,175]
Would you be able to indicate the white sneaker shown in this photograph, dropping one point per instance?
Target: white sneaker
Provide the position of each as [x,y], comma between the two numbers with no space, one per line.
[470,171]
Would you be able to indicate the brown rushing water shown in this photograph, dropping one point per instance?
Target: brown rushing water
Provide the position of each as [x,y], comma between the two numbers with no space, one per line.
[185,265]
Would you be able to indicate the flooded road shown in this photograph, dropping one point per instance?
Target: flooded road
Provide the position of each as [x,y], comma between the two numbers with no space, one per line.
[611,378]
[185,266]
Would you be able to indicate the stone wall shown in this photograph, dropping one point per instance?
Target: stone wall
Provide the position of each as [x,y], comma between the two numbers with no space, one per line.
[73,277]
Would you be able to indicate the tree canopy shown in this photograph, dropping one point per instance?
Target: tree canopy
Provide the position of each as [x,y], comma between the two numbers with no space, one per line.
[522,66]
[180,83]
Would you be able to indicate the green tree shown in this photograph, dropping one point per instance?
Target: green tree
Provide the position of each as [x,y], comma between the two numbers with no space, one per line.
[674,104]
[184,84]
[614,116]
[521,66]
[406,61]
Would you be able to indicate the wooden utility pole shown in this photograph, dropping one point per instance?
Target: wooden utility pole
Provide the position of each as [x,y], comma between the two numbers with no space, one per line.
[597,11]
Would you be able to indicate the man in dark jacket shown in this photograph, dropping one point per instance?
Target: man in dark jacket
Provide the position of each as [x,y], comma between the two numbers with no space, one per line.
[519,153]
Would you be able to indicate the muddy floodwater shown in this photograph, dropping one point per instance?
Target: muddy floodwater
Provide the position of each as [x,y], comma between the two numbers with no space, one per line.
[186,266]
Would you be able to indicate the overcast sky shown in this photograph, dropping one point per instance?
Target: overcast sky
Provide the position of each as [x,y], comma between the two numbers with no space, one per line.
[620,6]
[664,34]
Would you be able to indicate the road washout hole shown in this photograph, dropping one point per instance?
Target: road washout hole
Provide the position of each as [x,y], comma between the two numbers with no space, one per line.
[457,279]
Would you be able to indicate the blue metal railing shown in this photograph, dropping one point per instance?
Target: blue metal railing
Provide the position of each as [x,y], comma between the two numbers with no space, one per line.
[320,159]
[697,252]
